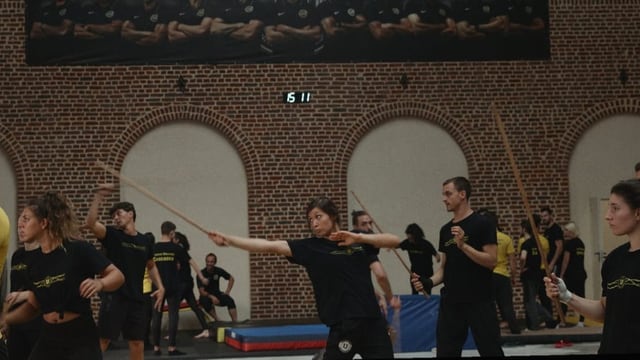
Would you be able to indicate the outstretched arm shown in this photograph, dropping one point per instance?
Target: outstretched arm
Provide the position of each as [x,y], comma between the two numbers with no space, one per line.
[279,247]
[347,238]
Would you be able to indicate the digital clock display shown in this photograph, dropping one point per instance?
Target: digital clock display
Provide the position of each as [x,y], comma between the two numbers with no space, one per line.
[296,97]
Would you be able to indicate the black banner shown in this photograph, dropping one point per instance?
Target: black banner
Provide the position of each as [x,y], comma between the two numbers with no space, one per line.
[74,32]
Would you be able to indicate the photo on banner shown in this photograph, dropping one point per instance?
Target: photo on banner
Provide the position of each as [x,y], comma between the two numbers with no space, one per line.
[113,32]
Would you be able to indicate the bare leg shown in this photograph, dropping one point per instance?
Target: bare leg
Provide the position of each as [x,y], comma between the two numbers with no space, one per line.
[136,350]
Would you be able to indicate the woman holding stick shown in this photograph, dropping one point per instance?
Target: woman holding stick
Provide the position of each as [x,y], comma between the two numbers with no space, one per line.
[338,266]
[618,305]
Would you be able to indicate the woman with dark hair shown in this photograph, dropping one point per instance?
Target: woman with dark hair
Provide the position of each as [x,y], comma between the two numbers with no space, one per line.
[337,263]
[186,285]
[61,281]
[421,253]
[618,305]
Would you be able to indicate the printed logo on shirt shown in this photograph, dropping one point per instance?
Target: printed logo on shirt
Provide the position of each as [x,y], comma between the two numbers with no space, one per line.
[623,282]
[134,246]
[348,250]
[49,280]
[19,267]
[345,346]
[452,241]
[164,256]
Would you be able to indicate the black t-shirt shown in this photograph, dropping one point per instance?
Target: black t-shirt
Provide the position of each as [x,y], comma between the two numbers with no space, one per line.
[429,12]
[621,287]
[299,14]
[55,277]
[421,255]
[340,276]
[93,13]
[532,262]
[575,267]
[232,11]
[525,11]
[214,280]
[129,254]
[344,11]
[20,262]
[168,256]
[553,233]
[464,280]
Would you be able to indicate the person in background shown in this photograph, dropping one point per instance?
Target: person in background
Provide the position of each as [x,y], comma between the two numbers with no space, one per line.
[531,274]
[210,295]
[572,269]
[617,307]
[362,223]
[186,284]
[504,274]
[421,253]
[5,235]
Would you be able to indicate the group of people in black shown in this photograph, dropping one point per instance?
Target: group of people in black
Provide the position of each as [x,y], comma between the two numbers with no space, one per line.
[213,31]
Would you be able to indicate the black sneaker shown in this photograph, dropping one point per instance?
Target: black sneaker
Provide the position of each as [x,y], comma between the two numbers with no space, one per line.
[551,324]
[176,352]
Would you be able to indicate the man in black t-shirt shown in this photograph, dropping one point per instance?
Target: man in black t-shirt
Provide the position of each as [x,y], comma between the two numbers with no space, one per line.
[468,247]
[211,295]
[131,252]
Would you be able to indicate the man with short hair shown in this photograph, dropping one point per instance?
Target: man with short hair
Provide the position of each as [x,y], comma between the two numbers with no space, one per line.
[362,223]
[468,247]
[131,252]
[553,232]
[210,295]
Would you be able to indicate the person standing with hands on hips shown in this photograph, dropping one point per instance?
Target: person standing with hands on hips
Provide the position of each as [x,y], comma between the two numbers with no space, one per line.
[618,305]
[469,253]
[338,267]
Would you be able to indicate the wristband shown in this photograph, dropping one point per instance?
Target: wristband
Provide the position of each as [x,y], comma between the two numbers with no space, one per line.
[564,295]
[427,283]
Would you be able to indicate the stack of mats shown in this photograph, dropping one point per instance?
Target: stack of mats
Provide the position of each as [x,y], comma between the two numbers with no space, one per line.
[285,337]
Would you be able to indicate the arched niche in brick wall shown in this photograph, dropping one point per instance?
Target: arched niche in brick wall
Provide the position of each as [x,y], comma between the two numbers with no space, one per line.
[198,171]
[602,146]
[12,176]
[396,167]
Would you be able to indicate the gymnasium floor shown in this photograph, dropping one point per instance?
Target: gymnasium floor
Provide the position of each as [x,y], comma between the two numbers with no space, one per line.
[583,341]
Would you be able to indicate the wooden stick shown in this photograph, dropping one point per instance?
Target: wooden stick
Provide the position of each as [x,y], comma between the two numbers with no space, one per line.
[525,200]
[150,195]
[380,231]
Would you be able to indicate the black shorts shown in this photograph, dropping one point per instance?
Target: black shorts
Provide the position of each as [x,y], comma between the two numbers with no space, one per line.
[224,299]
[120,314]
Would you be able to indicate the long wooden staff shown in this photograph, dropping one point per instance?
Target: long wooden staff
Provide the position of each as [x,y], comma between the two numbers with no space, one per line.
[424,292]
[525,200]
[150,195]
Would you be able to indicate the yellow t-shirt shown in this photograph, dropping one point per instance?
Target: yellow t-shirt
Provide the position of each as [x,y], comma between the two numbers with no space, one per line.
[5,234]
[505,248]
[545,247]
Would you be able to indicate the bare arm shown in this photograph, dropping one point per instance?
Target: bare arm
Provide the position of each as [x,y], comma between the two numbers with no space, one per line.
[488,257]
[26,311]
[383,279]
[157,281]
[196,268]
[97,228]
[279,247]
[111,279]
[347,238]
[556,255]
[229,285]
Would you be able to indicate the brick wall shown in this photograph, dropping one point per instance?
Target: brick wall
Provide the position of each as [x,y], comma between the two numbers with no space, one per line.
[56,121]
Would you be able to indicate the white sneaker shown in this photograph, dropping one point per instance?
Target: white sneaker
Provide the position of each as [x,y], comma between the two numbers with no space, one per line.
[580,324]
